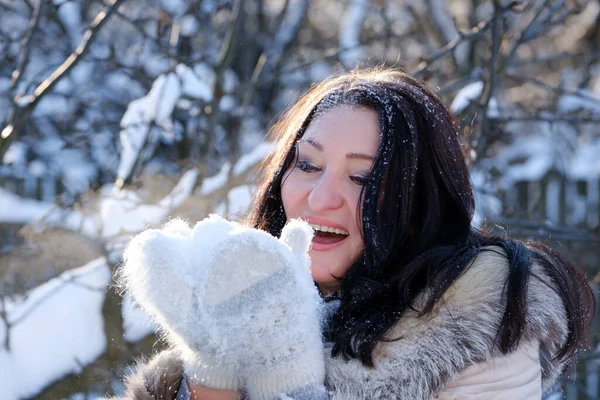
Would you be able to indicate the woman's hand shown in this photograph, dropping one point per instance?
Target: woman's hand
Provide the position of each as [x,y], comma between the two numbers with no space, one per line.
[239,304]
[199,392]
[260,298]
[162,272]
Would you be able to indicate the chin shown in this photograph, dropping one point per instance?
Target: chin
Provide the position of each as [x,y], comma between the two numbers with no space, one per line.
[322,275]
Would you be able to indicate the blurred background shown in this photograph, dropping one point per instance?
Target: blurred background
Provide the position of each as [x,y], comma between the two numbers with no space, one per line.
[118,114]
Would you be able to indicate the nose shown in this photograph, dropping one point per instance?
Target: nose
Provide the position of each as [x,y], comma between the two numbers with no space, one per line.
[326,194]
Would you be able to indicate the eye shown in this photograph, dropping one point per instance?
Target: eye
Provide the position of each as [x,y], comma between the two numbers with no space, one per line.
[307,166]
[359,180]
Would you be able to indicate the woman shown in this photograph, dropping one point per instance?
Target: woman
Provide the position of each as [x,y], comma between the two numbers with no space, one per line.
[421,304]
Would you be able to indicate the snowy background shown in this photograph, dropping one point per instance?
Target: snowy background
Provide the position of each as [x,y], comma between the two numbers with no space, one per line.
[118,114]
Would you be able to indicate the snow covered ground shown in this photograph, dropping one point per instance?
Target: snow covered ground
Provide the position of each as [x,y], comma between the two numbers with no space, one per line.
[55,329]
[58,328]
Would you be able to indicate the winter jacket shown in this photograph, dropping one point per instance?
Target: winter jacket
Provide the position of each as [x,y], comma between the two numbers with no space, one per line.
[449,353]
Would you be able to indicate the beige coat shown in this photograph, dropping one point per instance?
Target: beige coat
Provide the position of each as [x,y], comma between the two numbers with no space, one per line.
[515,376]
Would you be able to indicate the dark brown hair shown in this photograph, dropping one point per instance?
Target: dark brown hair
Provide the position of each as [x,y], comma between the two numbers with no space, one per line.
[415,215]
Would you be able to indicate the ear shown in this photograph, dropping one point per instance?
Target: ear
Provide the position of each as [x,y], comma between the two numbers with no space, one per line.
[298,235]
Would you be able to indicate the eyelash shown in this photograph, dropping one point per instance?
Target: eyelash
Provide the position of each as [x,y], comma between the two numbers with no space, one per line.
[308,168]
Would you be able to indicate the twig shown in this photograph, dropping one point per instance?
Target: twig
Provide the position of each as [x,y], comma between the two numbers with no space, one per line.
[489,89]
[225,57]
[546,59]
[77,55]
[58,288]
[572,119]
[26,46]
[545,229]
[24,106]
[553,89]
[463,37]
[5,321]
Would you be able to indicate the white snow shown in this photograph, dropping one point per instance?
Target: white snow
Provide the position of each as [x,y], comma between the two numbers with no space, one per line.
[49,145]
[15,209]
[136,323]
[230,81]
[58,329]
[15,154]
[251,159]
[493,109]
[123,211]
[585,100]
[147,108]
[350,28]
[167,98]
[443,19]
[215,182]
[137,138]
[73,221]
[463,98]
[53,105]
[189,25]
[101,51]
[181,191]
[227,103]
[174,7]
[585,161]
[133,139]
[81,74]
[238,202]
[193,84]
[37,168]
[69,13]
[77,172]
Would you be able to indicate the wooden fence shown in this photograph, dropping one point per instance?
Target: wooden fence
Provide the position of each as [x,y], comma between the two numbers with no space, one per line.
[555,199]
[25,184]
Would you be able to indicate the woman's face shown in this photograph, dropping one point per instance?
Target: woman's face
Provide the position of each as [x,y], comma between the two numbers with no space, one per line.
[323,188]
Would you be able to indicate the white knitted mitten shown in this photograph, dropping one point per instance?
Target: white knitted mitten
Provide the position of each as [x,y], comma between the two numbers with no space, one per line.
[260,297]
[237,302]
[161,274]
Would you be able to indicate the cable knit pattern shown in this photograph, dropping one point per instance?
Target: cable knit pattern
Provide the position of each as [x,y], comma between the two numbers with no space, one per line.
[433,350]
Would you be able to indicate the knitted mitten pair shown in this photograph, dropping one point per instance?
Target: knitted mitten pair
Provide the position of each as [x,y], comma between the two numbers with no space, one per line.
[238,303]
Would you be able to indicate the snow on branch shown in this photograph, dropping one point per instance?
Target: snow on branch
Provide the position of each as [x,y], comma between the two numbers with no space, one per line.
[438,10]
[25,105]
[350,29]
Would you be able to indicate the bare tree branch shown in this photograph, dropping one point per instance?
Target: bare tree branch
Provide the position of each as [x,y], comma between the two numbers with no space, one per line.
[479,141]
[225,57]
[26,46]
[24,106]
[447,30]
[557,90]
[472,34]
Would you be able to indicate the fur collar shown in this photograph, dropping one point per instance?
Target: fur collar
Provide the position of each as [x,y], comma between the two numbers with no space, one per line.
[156,379]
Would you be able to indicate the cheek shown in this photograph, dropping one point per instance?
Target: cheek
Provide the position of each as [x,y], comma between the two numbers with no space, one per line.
[291,197]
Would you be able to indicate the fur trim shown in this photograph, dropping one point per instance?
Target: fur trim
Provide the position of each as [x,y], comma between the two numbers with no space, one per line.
[459,332]
[156,379]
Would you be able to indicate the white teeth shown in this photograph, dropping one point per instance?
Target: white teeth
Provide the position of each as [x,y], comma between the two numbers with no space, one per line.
[324,228]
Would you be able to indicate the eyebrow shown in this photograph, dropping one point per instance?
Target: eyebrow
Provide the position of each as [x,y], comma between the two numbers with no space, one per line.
[355,156]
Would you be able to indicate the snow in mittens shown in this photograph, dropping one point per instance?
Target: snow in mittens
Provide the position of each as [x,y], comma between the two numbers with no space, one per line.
[207,285]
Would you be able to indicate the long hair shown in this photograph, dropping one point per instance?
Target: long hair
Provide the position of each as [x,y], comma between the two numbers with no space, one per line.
[415,215]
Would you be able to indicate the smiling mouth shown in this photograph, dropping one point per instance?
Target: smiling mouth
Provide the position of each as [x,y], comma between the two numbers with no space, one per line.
[328,238]
[327,235]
